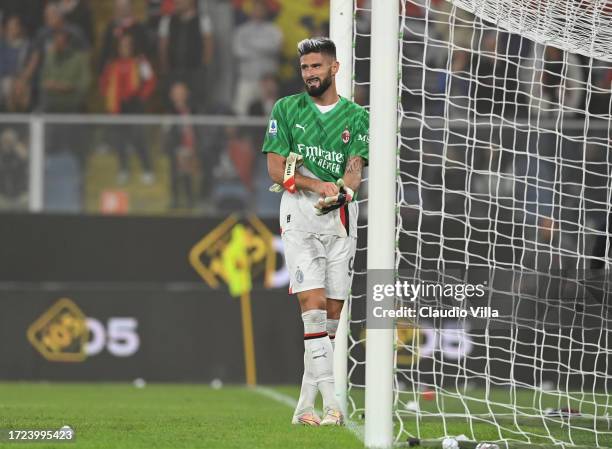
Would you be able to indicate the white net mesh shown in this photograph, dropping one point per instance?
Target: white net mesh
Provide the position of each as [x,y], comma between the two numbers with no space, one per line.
[504,166]
[581,26]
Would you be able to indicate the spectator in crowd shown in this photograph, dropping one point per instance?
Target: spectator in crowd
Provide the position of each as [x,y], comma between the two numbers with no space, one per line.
[451,24]
[456,27]
[233,173]
[181,142]
[211,155]
[487,80]
[64,83]
[561,82]
[13,167]
[514,49]
[242,9]
[13,51]
[552,72]
[186,48]
[453,85]
[65,76]
[123,22]
[269,93]
[54,22]
[78,13]
[257,46]
[156,9]
[605,80]
[242,153]
[262,107]
[29,11]
[601,79]
[126,83]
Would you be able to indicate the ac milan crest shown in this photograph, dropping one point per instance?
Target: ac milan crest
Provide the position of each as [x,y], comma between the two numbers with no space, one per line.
[346,135]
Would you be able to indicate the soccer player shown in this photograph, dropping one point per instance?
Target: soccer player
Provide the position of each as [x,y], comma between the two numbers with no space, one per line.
[317,145]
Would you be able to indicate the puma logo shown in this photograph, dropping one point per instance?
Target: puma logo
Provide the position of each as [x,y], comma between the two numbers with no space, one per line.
[324,355]
[302,127]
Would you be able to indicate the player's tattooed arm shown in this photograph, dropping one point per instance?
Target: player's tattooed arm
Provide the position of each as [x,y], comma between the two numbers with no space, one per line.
[354,165]
[348,185]
[352,172]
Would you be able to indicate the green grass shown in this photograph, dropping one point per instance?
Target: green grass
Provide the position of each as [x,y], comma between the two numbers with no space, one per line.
[196,416]
[160,416]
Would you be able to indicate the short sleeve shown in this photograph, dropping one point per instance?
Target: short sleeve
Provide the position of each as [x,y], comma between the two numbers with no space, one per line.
[361,142]
[277,134]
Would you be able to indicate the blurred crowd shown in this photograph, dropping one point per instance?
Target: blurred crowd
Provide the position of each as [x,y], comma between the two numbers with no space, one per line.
[59,56]
[503,139]
[218,57]
[450,54]
[178,57]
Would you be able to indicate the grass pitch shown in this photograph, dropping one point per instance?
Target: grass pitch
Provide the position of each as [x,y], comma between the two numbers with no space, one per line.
[196,416]
[160,416]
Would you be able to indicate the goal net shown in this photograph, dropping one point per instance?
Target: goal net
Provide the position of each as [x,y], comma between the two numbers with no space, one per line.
[504,180]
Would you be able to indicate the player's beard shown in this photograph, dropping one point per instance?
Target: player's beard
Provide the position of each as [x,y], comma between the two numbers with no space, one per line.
[317,91]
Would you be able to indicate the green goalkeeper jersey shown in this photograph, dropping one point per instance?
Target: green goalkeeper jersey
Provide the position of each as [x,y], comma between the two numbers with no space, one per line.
[326,141]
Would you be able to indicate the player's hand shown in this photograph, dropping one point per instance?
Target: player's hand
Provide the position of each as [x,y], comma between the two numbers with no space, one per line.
[329,203]
[326,189]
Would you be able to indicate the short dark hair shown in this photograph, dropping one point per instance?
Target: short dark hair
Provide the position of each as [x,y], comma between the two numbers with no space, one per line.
[317,45]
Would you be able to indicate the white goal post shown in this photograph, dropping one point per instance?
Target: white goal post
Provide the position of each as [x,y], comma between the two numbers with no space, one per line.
[382,221]
[381,213]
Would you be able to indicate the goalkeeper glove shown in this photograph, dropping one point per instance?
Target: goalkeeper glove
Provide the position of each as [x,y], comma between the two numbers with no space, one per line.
[293,161]
[330,203]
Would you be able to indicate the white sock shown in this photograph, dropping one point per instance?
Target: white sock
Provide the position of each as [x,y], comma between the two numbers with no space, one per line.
[319,355]
[308,392]
[332,327]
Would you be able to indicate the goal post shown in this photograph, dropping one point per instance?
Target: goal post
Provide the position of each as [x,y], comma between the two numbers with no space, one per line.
[381,214]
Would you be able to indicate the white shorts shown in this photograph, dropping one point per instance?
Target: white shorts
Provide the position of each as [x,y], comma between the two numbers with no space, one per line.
[319,261]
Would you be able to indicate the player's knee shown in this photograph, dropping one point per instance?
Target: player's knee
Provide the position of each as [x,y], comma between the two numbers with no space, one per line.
[312,299]
[334,308]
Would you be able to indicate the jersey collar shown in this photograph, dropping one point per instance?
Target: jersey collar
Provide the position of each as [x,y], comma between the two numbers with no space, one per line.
[327,114]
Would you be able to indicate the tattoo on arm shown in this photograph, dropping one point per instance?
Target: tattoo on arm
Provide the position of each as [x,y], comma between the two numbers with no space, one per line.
[354,165]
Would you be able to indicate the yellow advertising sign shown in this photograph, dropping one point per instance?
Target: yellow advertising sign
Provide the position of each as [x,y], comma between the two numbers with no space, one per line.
[60,334]
[235,252]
